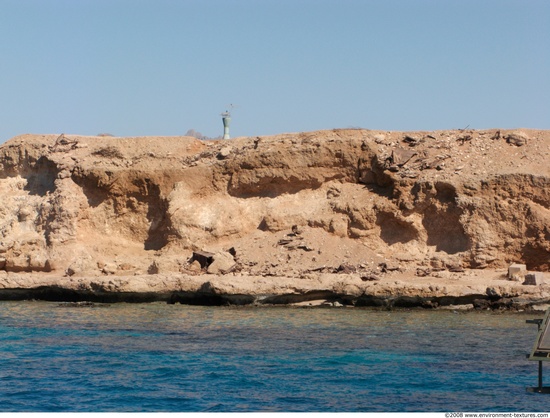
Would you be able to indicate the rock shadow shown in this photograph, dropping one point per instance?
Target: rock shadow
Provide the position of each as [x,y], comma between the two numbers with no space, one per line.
[41,177]
[157,209]
[96,192]
[444,229]
[142,197]
[535,256]
[393,230]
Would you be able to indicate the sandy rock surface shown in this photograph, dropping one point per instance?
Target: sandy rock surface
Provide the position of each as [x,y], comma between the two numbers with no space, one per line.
[351,211]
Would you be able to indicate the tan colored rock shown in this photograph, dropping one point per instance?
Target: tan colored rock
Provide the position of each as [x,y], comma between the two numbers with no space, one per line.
[109,268]
[223,262]
[517,138]
[195,266]
[69,202]
[339,226]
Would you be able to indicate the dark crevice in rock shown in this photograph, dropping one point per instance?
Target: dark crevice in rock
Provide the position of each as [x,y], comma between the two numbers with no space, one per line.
[41,177]
[271,186]
[535,256]
[209,299]
[429,302]
[59,294]
[203,298]
[157,208]
[300,297]
[93,186]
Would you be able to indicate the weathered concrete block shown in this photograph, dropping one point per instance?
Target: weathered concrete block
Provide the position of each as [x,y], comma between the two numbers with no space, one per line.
[516,270]
[533,279]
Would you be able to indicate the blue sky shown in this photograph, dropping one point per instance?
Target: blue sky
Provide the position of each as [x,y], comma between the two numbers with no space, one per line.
[161,67]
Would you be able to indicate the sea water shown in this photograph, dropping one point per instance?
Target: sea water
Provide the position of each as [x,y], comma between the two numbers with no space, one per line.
[158,357]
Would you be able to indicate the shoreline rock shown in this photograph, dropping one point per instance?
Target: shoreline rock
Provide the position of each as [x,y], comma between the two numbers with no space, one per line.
[348,216]
[486,293]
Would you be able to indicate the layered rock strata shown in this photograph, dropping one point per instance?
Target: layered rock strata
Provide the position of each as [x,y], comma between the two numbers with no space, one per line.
[359,206]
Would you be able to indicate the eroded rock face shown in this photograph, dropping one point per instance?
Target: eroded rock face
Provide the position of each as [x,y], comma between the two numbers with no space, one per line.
[78,204]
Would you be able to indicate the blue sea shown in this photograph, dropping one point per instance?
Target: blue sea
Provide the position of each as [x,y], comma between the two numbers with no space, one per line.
[175,358]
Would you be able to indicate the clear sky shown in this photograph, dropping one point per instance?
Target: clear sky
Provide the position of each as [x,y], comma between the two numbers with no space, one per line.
[161,67]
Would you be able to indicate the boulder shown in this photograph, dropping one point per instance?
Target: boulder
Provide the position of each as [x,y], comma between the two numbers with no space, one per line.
[401,156]
[109,268]
[81,263]
[339,226]
[224,153]
[38,261]
[223,262]
[27,262]
[195,266]
[517,138]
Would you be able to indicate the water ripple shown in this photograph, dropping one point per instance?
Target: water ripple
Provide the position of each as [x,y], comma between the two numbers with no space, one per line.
[156,357]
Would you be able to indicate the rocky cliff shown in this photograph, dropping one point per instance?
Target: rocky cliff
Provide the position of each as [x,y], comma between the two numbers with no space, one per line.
[290,205]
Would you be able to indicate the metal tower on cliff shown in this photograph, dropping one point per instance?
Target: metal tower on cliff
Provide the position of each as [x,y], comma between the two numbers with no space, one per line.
[226,118]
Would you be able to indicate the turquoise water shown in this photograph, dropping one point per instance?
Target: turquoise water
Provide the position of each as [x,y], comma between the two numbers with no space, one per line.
[158,357]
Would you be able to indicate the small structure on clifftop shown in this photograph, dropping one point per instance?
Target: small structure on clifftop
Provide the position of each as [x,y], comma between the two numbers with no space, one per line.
[226,118]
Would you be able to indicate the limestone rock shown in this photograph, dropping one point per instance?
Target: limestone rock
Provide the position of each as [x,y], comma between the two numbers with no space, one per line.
[150,201]
[339,226]
[224,153]
[164,265]
[195,267]
[517,138]
[223,262]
